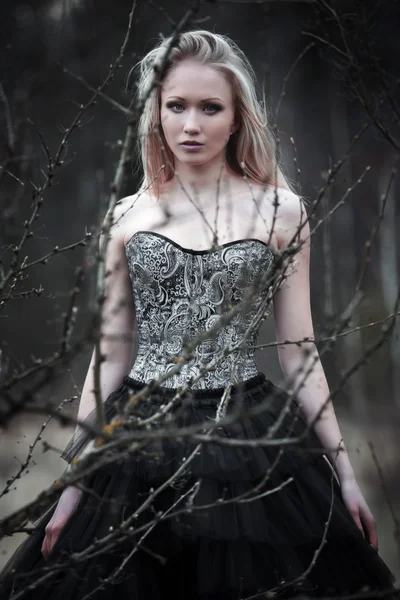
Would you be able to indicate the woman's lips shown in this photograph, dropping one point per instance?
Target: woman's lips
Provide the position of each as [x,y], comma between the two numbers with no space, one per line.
[192,146]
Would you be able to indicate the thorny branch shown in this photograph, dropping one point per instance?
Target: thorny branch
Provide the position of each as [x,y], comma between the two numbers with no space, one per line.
[115,439]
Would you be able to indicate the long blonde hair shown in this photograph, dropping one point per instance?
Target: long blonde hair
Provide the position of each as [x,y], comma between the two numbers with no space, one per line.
[252,144]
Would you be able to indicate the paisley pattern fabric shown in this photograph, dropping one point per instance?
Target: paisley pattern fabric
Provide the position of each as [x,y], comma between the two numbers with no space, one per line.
[181,293]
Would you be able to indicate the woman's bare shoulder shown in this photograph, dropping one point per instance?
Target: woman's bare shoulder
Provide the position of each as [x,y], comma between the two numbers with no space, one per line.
[133,205]
[289,214]
[133,213]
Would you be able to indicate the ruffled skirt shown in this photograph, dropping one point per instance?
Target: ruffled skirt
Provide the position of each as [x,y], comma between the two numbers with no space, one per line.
[204,518]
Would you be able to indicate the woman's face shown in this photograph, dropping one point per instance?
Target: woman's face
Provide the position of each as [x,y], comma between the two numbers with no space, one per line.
[196,104]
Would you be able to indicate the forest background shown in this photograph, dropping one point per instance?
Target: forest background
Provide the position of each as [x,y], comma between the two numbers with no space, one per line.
[330,73]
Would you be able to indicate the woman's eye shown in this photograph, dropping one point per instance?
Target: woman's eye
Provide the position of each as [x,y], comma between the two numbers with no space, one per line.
[173,105]
[215,107]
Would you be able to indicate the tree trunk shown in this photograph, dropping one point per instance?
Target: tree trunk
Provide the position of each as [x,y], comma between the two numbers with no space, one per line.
[350,346]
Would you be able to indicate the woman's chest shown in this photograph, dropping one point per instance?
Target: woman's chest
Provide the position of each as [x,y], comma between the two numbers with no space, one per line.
[203,226]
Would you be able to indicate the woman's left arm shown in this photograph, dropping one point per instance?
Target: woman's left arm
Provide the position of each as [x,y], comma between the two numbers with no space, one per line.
[293,322]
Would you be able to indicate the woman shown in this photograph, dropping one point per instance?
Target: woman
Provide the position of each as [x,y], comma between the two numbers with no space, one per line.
[208,518]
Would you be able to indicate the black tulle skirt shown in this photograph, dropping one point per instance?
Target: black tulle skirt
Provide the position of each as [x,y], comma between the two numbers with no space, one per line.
[238,521]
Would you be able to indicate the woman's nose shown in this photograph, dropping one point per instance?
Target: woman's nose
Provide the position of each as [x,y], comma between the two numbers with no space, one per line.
[191,123]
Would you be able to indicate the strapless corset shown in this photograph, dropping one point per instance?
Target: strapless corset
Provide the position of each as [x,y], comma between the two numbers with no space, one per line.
[181,293]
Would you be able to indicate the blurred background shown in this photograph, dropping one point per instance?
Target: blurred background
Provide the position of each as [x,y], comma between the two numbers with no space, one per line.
[333,68]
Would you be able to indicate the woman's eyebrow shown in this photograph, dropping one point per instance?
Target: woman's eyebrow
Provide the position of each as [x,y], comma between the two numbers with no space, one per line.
[201,101]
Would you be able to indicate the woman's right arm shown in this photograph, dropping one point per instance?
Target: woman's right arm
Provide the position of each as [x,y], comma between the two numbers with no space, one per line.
[116,345]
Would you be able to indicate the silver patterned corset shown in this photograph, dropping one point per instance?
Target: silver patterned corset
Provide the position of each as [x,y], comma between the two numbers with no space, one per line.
[181,294]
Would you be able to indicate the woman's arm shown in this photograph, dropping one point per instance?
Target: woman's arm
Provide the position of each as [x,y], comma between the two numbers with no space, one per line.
[116,349]
[117,327]
[293,321]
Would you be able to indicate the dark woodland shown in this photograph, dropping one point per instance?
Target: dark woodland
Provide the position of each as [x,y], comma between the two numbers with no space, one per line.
[330,73]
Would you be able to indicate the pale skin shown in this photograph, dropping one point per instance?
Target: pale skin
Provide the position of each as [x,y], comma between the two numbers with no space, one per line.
[231,217]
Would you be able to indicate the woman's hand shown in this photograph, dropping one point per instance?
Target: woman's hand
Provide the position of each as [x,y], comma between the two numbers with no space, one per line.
[358,509]
[65,507]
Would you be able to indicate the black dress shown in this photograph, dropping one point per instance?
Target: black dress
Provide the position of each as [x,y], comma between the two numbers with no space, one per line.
[237,520]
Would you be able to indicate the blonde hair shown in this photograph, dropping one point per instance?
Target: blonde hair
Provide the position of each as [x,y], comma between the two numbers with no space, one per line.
[253,143]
